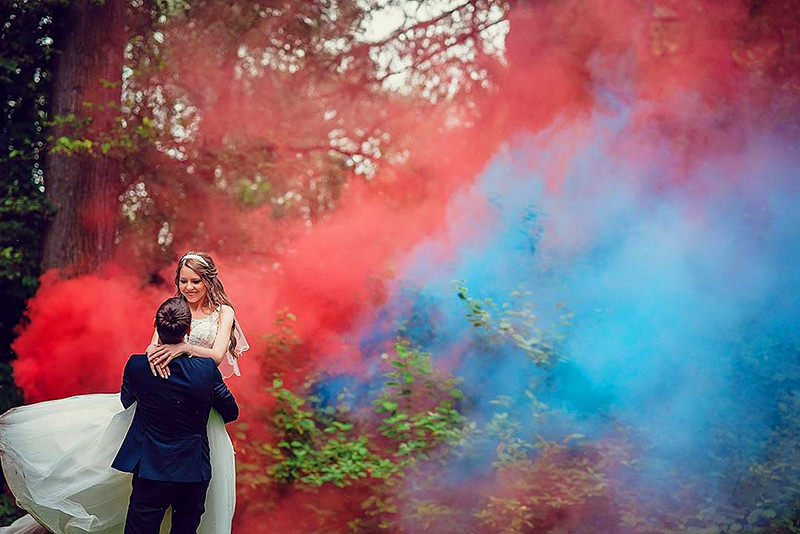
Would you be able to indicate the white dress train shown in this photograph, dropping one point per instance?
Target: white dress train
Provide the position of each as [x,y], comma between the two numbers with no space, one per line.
[57,456]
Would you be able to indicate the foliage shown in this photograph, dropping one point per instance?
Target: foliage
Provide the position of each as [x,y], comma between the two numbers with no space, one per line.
[281,342]
[393,454]
[25,75]
[8,510]
[23,213]
[418,407]
[327,446]
[411,422]
[518,324]
[25,64]
[319,452]
[275,107]
[561,479]
[281,107]
[23,217]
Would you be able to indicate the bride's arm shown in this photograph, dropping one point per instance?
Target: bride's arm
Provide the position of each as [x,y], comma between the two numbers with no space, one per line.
[163,354]
[221,342]
[153,343]
[151,348]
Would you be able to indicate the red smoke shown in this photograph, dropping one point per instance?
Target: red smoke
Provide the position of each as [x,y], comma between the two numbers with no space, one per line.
[80,334]
[691,71]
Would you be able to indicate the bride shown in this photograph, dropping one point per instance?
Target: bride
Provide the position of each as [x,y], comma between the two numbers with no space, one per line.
[57,455]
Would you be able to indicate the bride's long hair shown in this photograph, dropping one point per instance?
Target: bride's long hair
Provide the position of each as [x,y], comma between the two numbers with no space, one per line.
[206,269]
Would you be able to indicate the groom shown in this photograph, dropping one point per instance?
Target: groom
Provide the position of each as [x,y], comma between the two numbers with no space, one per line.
[166,447]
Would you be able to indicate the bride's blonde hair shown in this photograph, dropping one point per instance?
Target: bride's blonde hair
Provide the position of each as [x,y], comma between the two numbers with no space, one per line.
[204,266]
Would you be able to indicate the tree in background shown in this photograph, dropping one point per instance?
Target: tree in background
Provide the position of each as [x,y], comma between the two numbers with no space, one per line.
[26,59]
[274,108]
[83,181]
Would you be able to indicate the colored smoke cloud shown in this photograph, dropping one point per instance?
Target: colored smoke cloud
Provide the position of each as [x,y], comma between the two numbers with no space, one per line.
[668,290]
[634,167]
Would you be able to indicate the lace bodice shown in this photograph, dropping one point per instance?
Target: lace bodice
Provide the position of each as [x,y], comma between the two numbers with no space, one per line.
[204,331]
[203,334]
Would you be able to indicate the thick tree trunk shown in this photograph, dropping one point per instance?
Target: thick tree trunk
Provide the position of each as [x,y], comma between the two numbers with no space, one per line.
[84,188]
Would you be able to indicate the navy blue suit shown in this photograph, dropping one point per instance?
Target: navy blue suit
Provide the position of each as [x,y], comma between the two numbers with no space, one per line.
[167,445]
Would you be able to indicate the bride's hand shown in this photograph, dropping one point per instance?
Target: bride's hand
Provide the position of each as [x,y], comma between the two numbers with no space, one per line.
[151,348]
[161,355]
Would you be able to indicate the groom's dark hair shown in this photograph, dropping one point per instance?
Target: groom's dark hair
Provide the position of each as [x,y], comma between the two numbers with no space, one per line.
[173,320]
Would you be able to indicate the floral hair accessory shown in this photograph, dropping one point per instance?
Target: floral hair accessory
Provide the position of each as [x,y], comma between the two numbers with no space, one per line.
[195,257]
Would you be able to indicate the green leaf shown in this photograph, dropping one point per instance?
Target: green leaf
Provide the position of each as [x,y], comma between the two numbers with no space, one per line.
[388,405]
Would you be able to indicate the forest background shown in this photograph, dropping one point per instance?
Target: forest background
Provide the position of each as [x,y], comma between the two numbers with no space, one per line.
[506,266]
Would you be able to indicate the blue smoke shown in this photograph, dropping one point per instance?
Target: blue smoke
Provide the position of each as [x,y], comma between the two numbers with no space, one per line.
[683,294]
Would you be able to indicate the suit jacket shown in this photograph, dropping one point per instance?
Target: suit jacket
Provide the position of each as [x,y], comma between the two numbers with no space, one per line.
[167,439]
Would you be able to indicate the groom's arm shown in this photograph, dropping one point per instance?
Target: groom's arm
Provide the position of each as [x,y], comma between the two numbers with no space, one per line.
[224,402]
[126,392]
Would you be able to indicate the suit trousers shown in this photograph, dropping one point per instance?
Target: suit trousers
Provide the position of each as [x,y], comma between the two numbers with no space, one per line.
[151,498]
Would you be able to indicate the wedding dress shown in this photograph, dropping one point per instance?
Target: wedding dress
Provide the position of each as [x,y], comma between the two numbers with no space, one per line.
[57,455]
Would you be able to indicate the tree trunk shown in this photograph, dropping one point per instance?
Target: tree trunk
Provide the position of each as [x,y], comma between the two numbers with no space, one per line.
[85,187]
